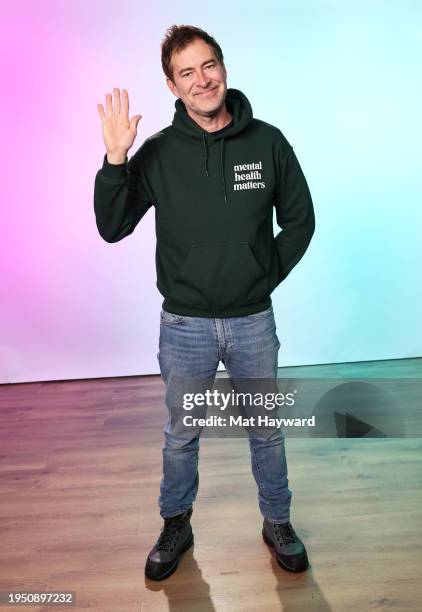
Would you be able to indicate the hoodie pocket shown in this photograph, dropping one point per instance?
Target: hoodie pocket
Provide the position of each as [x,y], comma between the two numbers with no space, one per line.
[220,276]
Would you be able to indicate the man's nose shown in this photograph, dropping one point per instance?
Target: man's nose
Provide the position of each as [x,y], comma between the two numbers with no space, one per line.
[203,79]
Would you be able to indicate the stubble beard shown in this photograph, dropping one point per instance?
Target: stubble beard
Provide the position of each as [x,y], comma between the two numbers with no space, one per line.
[214,111]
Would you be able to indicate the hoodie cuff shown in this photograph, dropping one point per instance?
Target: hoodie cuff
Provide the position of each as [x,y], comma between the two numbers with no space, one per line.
[114,170]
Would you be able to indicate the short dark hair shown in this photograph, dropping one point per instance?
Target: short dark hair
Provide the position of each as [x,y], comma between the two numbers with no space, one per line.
[177,38]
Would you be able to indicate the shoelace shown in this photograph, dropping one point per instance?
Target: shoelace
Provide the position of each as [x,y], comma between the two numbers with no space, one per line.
[285,531]
[169,534]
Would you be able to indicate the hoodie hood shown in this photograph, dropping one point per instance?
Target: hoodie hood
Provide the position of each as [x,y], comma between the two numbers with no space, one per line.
[237,105]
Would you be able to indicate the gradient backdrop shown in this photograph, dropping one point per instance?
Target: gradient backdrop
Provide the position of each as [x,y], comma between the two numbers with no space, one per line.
[339,78]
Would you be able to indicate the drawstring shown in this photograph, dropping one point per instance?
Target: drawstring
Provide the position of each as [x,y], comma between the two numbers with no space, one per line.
[222,169]
[205,151]
[205,154]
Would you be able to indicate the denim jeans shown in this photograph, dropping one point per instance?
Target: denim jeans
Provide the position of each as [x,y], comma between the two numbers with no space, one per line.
[248,347]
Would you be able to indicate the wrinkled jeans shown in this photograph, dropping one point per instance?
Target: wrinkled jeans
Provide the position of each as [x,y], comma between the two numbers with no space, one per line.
[248,347]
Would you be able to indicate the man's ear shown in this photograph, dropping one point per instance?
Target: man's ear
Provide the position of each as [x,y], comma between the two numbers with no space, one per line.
[172,87]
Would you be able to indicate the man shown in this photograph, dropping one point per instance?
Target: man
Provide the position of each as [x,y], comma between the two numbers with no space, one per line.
[213,177]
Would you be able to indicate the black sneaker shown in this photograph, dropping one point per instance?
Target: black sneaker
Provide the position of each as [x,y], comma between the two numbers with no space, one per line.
[175,538]
[289,548]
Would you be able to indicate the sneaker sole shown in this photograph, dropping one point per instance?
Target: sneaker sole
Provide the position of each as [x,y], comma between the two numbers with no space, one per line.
[279,561]
[175,565]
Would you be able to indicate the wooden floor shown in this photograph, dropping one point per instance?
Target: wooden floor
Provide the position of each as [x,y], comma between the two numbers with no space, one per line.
[80,467]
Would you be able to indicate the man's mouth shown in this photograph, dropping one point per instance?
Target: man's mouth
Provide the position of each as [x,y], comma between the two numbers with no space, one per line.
[206,93]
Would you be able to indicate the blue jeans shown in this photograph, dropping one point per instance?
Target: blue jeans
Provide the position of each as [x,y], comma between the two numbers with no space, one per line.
[193,347]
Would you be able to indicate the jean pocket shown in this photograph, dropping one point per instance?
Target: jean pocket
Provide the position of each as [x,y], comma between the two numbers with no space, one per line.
[169,318]
[264,313]
[220,276]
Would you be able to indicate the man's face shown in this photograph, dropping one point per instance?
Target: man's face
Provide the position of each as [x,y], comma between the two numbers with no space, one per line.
[198,79]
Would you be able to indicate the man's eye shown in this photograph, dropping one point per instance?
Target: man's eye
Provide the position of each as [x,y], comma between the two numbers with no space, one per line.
[187,74]
[211,66]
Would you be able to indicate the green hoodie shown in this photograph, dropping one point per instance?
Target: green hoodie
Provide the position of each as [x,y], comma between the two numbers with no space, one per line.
[213,196]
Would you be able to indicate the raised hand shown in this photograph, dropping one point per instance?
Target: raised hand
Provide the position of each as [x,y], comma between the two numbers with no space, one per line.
[118,132]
